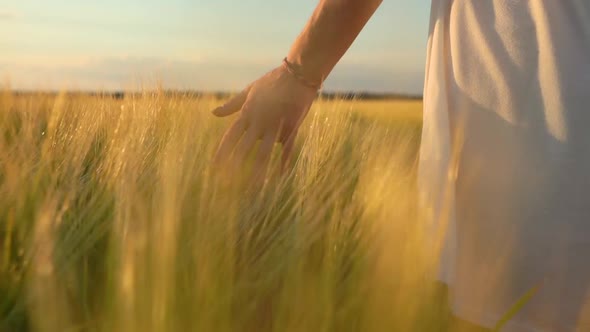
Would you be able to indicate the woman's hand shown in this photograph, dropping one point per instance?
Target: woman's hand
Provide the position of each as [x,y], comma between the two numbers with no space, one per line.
[271,110]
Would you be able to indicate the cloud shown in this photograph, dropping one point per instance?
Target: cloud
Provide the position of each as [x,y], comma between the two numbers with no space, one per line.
[123,73]
[6,15]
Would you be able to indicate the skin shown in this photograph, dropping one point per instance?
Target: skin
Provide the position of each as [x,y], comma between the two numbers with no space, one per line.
[272,108]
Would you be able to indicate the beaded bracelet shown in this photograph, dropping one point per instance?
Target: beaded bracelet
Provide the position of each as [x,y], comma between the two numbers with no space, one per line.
[295,70]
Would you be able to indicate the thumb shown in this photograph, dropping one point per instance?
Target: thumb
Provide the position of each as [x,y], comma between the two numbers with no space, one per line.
[233,105]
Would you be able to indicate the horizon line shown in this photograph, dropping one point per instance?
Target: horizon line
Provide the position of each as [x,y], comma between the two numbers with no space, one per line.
[119,94]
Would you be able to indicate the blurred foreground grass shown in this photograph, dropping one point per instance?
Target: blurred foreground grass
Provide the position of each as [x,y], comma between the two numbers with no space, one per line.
[111,219]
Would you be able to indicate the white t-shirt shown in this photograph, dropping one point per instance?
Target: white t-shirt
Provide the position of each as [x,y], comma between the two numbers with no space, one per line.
[505,158]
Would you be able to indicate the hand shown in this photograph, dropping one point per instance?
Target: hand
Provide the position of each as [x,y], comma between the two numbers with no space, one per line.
[271,110]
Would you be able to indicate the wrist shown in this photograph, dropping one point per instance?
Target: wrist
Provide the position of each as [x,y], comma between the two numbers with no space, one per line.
[302,75]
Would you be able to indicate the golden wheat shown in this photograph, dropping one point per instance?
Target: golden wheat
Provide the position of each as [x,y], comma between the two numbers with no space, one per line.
[112,219]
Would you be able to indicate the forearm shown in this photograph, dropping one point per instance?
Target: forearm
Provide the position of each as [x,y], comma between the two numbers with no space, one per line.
[329,33]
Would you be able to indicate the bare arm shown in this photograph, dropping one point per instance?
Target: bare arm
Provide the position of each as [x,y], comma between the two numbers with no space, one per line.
[272,107]
[329,33]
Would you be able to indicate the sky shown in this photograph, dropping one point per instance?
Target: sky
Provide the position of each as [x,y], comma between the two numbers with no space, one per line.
[211,45]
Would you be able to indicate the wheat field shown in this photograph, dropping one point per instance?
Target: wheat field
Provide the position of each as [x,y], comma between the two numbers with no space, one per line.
[112,218]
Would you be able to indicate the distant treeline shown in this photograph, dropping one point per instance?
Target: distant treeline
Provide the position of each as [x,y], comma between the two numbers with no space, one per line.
[368,95]
[222,95]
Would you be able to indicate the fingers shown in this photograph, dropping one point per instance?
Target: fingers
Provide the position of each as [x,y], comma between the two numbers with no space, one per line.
[245,145]
[263,155]
[229,141]
[288,150]
[233,105]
